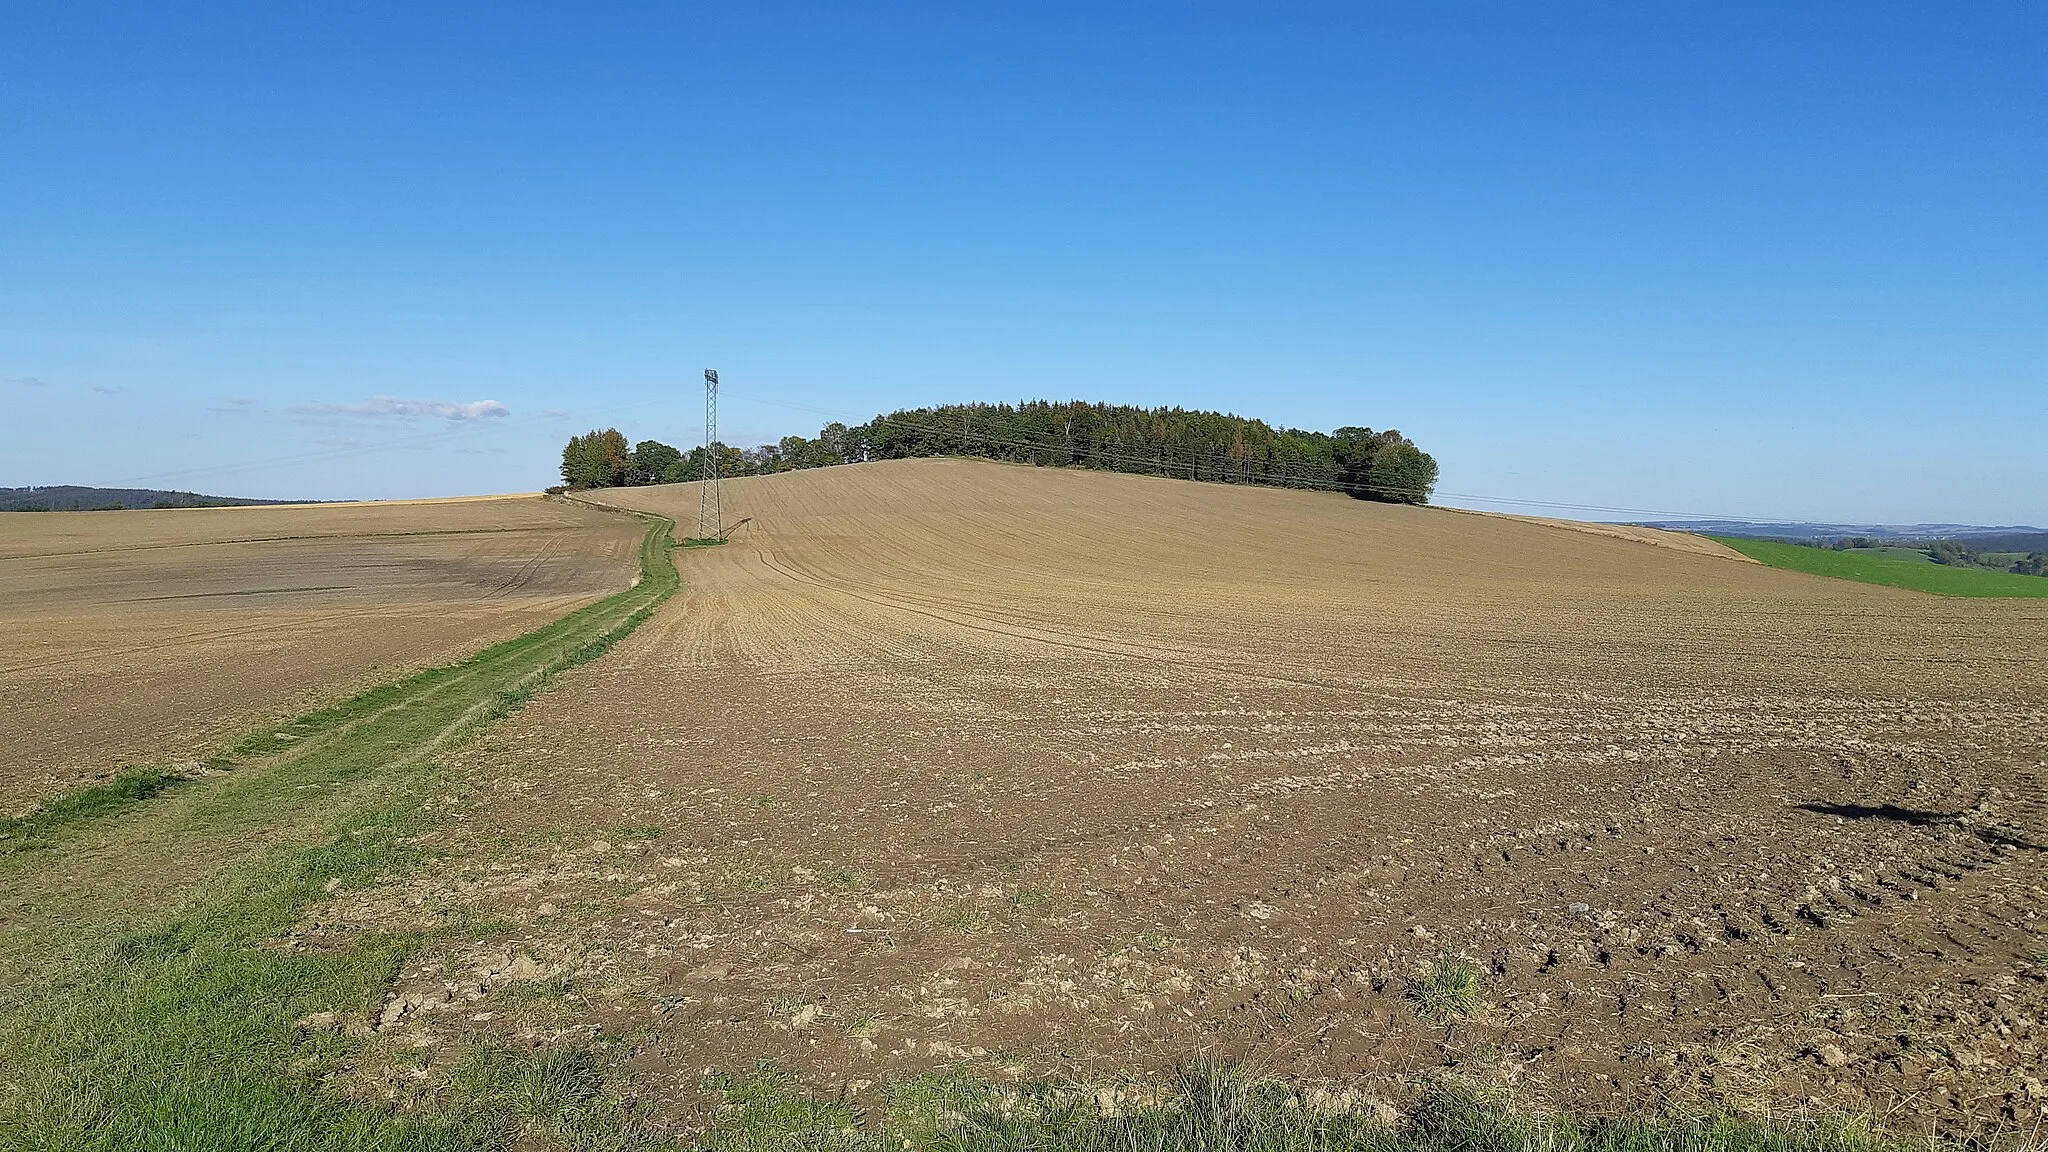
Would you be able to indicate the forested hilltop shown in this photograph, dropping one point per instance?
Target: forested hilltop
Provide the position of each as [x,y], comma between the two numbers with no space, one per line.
[1117,438]
[74,498]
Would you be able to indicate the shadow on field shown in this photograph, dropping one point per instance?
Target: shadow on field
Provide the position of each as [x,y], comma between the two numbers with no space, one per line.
[1920,818]
[1917,817]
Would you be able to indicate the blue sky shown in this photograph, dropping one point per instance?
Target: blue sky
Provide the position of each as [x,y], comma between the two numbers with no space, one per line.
[1772,260]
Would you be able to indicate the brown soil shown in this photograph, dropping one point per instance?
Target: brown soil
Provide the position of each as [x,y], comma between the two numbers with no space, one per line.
[1660,537]
[1040,771]
[130,637]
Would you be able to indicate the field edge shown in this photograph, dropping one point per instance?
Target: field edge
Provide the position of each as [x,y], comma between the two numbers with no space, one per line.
[1885,571]
[179,1032]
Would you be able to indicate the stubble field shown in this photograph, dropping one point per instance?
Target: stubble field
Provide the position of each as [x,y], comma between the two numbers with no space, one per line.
[128,637]
[1039,773]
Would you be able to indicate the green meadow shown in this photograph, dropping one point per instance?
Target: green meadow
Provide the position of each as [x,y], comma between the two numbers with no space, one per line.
[1897,567]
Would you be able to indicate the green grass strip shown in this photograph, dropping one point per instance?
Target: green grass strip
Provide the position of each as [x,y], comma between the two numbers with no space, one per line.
[175,1030]
[20,833]
[1893,571]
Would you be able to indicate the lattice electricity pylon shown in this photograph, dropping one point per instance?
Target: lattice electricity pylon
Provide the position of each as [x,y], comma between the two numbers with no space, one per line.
[710,511]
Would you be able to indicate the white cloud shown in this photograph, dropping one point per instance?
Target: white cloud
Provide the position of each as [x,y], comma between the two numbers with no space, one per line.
[398,406]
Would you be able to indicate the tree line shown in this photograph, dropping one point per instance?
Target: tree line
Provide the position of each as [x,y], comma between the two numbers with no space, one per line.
[1960,554]
[1196,445]
[1956,553]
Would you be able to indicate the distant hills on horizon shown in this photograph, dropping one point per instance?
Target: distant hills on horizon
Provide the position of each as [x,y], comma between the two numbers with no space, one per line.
[1998,537]
[2003,537]
[77,498]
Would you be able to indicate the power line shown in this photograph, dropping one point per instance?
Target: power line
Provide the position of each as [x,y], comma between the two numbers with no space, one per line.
[1144,465]
[710,504]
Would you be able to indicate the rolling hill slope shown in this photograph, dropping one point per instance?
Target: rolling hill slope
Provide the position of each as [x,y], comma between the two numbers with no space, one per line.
[951,763]
[131,635]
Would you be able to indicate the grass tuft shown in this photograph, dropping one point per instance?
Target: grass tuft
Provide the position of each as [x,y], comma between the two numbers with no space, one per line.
[1028,899]
[964,921]
[551,1098]
[1446,992]
[764,1112]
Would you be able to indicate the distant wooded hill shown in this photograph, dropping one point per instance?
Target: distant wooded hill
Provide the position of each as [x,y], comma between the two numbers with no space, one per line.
[1986,538]
[2009,542]
[73,498]
[1194,445]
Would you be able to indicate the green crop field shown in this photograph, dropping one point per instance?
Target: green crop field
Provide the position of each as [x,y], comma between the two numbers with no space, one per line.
[1883,566]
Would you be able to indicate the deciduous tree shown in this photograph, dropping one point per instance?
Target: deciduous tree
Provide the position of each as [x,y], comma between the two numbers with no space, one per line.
[596,460]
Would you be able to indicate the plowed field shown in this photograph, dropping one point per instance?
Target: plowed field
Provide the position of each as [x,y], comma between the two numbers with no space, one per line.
[131,636]
[1038,771]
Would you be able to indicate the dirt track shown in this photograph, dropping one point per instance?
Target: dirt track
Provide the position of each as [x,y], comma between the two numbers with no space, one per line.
[127,636]
[950,762]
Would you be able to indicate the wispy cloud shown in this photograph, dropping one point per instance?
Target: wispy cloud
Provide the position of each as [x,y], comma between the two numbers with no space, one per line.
[395,406]
[103,389]
[28,382]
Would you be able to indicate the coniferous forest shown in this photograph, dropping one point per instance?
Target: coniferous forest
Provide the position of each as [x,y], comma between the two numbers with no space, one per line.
[1211,446]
